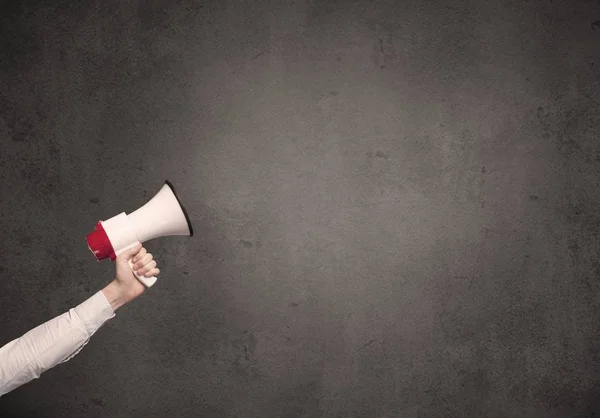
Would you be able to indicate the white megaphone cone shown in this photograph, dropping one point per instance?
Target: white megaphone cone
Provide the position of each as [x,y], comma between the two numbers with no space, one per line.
[162,216]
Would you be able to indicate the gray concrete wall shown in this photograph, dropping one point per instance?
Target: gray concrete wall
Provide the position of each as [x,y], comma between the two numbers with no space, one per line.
[395,204]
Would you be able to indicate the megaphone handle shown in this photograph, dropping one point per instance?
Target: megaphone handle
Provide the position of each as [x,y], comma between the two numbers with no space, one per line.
[147,281]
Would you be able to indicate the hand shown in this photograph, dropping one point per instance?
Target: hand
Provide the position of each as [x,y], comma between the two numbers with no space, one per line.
[126,287]
[143,265]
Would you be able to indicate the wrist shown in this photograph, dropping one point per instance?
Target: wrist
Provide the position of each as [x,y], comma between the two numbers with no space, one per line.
[115,295]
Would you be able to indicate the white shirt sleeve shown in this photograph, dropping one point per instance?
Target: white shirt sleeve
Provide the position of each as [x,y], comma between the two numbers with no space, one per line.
[52,342]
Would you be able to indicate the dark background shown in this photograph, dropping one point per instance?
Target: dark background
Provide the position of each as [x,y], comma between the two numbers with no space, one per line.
[395,204]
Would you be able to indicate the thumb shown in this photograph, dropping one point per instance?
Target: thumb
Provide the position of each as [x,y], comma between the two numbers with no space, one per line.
[129,253]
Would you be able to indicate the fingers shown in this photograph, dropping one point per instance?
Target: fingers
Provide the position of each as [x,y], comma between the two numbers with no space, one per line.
[142,260]
[145,265]
[152,273]
[139,255]
[146,268]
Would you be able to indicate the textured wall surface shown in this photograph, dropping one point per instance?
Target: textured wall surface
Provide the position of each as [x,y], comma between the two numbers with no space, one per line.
[395,204]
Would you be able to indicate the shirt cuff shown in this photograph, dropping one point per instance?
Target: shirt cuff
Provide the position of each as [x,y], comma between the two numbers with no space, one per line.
[94,312]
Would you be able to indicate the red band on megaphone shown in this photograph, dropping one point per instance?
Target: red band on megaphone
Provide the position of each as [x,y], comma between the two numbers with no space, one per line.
[99,243]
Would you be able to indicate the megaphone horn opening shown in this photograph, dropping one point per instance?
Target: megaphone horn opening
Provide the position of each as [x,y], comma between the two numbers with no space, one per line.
[185,213]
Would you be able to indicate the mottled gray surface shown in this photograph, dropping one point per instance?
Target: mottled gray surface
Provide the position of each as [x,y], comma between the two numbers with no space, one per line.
[395,204]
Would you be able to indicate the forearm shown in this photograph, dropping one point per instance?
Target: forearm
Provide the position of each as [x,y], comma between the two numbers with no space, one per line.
[52,342]
[120,292]
[115,294]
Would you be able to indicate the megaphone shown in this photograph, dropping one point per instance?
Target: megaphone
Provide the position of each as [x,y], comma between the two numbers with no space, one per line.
[163,215]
